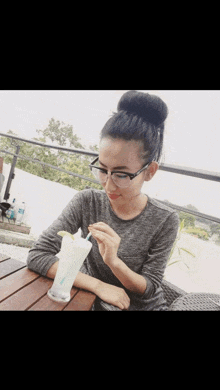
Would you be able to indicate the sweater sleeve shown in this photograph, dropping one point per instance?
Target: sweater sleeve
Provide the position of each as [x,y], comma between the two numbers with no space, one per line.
[158,255]
[43,254]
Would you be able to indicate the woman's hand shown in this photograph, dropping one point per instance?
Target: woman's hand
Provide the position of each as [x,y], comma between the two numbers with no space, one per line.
[114,295]
[108,241]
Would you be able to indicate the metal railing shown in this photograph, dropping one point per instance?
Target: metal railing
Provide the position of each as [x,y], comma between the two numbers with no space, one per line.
[196,173]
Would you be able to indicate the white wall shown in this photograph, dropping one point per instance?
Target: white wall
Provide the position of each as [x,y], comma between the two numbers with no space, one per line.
[44,199]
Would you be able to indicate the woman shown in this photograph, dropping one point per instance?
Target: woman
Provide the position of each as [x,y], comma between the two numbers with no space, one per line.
[132,234]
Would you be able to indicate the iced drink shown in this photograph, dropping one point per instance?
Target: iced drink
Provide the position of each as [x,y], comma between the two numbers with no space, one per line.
[71,257]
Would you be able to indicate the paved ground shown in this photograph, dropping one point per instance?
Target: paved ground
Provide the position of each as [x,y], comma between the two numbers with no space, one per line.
[16,252]
[14,238]
[16,245]
[203,272]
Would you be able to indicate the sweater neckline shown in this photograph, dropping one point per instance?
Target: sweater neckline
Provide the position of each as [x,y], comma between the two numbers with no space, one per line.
[127,220]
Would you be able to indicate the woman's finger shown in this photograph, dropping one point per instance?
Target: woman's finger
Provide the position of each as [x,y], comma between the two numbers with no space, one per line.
[104,228]
[103,237]
[121,306]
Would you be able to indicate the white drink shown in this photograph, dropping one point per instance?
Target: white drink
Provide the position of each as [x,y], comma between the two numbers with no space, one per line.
[71,257]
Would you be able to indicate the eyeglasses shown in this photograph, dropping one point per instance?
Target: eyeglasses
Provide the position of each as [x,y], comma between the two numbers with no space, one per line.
[121,179]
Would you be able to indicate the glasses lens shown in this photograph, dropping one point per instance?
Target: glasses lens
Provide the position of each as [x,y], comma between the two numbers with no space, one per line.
[99,174]
[121,180]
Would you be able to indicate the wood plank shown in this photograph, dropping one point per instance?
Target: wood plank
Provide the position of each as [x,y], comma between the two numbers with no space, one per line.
[45,303]
[83,301]
[28,295]
[15,228]
[9,266]
[16,281]
[4,257]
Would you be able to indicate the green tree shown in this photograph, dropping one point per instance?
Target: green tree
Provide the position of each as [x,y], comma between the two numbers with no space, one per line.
[188,218]
[215,228]
[56,133]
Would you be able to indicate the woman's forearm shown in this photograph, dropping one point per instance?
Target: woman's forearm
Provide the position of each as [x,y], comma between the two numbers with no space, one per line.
[116,296]
[87,282]
[51,273]
[83,281]
[108,242]
[130,279]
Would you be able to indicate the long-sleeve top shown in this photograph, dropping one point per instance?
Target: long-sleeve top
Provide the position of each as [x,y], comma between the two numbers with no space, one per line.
[146,242]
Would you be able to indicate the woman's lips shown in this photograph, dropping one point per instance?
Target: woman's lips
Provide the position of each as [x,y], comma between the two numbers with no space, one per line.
[113,197]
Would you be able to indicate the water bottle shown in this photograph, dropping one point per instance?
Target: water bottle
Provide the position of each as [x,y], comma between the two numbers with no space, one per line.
[10,213]
[20,214]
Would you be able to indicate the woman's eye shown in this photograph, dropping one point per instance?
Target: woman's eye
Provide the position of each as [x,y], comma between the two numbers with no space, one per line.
[121,176]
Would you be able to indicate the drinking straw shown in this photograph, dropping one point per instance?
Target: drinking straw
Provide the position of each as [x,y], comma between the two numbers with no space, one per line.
[88,237]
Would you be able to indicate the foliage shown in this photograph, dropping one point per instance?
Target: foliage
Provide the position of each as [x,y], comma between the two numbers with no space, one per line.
[188,218]
[191,222]
[215,228]
[56,133]
[179,249]
[61,135]
[198,232]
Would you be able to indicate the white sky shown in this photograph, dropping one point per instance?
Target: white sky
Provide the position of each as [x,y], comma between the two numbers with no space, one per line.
[192,127]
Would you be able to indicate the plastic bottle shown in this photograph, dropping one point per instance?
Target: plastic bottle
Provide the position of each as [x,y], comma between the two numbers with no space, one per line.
[10,213]
[20,214]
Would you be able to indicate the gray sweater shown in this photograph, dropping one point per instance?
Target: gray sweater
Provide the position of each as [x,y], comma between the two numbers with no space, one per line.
[146,242]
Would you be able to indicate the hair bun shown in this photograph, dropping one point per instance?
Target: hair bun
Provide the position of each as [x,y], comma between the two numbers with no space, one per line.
[150,107]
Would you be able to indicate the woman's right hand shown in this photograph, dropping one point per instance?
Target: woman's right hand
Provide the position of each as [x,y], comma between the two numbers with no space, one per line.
[114,295]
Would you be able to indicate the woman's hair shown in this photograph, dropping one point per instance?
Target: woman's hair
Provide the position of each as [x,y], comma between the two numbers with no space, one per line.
[139,117]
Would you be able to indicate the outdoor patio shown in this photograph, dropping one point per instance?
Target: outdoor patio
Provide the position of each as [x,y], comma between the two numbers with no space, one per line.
[189,275]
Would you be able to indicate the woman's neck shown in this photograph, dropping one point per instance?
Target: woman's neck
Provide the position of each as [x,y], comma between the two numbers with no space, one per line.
[132,207]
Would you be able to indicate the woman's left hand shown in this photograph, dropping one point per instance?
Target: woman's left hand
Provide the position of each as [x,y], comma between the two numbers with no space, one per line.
[108,241]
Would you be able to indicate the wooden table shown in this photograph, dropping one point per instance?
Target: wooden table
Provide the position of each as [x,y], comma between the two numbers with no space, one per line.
[23,289]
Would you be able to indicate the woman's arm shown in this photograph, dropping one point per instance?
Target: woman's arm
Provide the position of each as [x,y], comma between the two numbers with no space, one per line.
[111,294]
[156,260]
[83,281]
[131,280]
[44,253]
[108,242]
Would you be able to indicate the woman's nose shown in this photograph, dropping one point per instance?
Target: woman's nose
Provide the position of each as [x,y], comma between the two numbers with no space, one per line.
[110,185]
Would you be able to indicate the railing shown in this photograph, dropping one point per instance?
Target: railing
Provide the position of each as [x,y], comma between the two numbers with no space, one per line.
[197,173]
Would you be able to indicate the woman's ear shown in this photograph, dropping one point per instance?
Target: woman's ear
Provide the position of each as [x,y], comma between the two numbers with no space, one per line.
[151,170]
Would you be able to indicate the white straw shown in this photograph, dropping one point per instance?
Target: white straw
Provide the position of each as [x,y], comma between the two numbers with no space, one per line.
[88,237]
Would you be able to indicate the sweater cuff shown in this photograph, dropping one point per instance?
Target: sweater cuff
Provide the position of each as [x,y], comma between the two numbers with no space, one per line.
[150,290]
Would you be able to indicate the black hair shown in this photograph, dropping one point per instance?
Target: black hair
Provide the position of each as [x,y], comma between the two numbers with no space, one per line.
[140,117]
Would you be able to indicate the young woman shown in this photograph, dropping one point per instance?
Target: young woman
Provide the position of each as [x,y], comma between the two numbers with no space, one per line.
[132,234]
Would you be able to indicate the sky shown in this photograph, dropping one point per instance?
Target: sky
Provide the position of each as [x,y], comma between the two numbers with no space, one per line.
[192,129]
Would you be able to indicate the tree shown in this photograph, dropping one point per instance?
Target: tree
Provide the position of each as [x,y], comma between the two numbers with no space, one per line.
[58,134]
[188,218]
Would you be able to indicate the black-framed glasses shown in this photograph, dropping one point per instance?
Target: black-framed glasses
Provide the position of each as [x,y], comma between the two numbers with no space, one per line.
[121,179]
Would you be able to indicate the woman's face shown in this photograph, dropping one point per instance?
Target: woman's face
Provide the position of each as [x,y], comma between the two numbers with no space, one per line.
[121,155]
